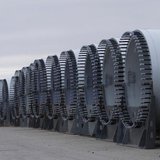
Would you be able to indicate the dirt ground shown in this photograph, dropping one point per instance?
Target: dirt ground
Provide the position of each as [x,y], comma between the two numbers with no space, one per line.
[34,144]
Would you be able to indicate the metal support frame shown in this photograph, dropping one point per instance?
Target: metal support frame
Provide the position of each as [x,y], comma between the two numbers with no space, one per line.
[4,104]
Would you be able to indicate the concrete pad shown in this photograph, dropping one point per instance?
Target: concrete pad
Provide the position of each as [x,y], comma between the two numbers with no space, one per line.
[33,144]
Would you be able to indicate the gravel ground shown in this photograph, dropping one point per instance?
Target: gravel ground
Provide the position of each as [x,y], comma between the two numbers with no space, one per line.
[33,144]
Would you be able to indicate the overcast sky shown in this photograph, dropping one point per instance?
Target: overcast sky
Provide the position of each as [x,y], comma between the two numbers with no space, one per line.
[31,29]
